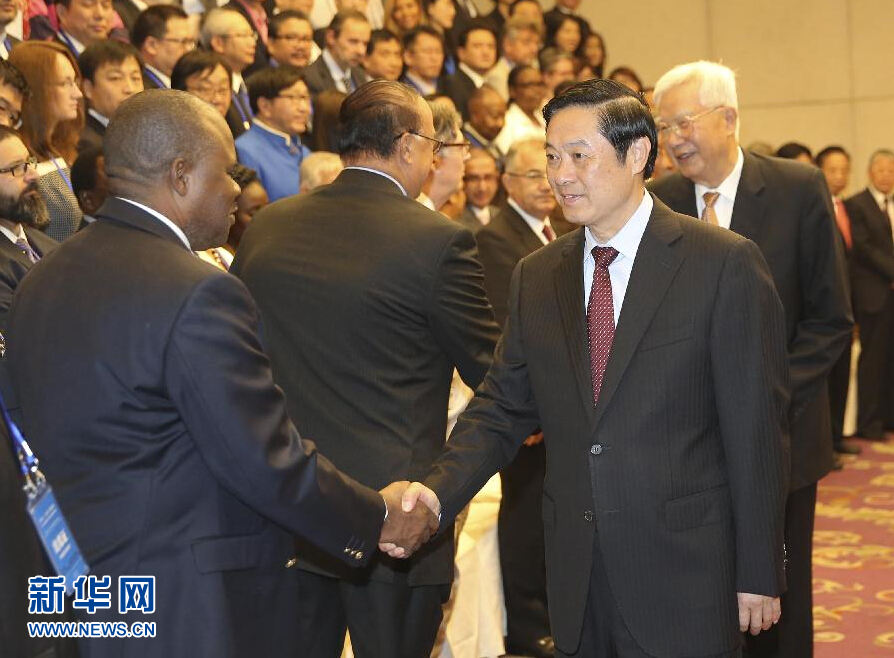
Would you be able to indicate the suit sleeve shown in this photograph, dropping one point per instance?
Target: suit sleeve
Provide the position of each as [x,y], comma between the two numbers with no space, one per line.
[494,425]
[460,316]
[220,380]
[498,265]
[748,356]
[825,321]
[868,252]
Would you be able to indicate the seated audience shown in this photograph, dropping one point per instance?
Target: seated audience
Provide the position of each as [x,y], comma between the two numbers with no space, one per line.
[206,75]
[326,106]
[290,39]
[52,120]
[252,197]
[110,73]
[563,9]
[439,15]
[529,10]
[424,59]
[487,115]
[401,16]
[556,66]
[481,182]
[627,77]
[339,66]
[519,43]
[81,22]
[272,146]
[9,10]
[593,60]
[384,56]
[227,33]
[446,175]
[795,151]
[523,118]
[89,182]
[319,168]
[477,54]
[163,35]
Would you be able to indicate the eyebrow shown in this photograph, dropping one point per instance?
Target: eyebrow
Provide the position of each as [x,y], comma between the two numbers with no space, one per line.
[580,142]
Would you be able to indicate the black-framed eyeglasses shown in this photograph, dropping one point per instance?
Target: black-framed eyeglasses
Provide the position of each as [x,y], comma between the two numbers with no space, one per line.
[465,146]
[15,118]
[530,175]
[19,169]
[437,144]
[294,38]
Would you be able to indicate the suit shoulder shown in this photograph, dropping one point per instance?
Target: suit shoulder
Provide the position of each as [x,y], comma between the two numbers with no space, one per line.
[781,169]
[667,184]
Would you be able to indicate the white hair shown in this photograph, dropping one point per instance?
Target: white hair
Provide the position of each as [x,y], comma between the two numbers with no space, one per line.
[317,167]
[216,24]
[716,84]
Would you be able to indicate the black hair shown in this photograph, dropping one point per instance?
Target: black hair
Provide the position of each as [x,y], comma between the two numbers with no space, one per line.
[623,115]
[373,117]
[791,150]
[244,176]
[84,169]
[516,3]
[153,22]
[269,83]
[343,16]
[381,36]
[196,61]
[105,51]
[516,72]
[276,21]
[411,36]
[627,71]
[477,25]
[829,150]
[10,75]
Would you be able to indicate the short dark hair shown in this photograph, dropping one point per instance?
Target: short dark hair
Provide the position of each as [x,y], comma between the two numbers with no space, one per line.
[373,116]
[550,56]
[196,61]
[411,36]
[629,72]
[381,36]
[342,17]
[516,3]
[829,150]
[275,23]
[791,150]
[477,25]
[105,51]
[244,176]
[516,72]
[153,22]
[84,169]
[623,115]
[11,76]
[269,82]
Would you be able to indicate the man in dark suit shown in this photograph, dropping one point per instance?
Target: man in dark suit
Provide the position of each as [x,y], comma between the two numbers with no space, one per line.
[391,301]
[521,227]
[477,53]
[481,182]
[872,277]
[163,435]
[339,66]
[163,35]
[650,349]
[81,22]
[785,208]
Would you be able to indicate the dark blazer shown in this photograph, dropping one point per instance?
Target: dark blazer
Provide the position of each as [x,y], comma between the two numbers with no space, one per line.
[92,134]
[786,209]
[318,78]
[460,88]
[235,120]
[153,411]
[14,265]
[470,220]
[128,12]
[683,461]
[391,299]
[501,244]
[872,257]
[261,55]
[149,81]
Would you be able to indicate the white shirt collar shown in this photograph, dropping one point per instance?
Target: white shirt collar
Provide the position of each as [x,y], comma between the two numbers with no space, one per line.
[270,129]
[477,78]
[78,46]
[96,115]
[730,184]
[626,241]
[237,82]
[13,235]
[426,201]
[4,53]
[424,85]
[535,224]
[381,173]
[338,74]
[164,220]
[878,196]
[166,79]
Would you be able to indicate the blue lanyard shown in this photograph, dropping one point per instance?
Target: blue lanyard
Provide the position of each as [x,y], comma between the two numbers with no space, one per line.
[27,461]
[236,101]
[149,74]
[63,37]
[8,44]
[63,174]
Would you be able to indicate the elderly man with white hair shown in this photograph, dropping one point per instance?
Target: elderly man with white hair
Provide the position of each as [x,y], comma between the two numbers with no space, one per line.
[785,208]
[320,168]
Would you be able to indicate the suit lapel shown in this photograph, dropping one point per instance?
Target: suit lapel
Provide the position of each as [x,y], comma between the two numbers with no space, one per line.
[653,271]
[680,196]
[751,202]
[15,253]
[518,224]
[569,276]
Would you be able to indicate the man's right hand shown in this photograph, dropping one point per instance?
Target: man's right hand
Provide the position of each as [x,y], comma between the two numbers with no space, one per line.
[407,526]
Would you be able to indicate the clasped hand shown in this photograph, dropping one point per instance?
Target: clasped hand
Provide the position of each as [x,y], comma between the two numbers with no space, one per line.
[408,525]
[757,612]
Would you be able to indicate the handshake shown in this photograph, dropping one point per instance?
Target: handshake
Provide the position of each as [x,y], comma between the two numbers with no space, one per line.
[408,525]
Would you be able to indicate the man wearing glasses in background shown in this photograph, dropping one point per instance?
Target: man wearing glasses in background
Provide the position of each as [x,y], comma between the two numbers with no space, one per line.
[390,299]
[785,208]
[290,39]
[163,35]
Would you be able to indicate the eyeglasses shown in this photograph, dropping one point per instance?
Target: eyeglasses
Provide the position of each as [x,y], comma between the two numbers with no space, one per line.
[19,169]
[15,118]
[241,35]
[532,175]
[209,92]
[295,98]
[186,42]
[683,126]
[527,85]
[465,146]
[436,143]
[294,38]
[485,178]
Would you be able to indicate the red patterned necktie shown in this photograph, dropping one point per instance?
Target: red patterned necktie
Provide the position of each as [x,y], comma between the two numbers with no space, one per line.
[600,316]
[548,233]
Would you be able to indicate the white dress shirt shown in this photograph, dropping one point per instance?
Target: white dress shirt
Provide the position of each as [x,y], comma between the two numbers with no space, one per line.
[13,235]
[723,206]
[536,225]
[96,115]
[337,73]
[474,76]
[164,220]
[626,242]
[518,126]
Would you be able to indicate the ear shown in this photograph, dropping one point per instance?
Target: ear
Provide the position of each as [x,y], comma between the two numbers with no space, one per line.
[87,88]
[638,155]
[264,106]
[730,117]
[179,176]
[330,38]
[61,12]
[150,46]
[404,150]
[216,44]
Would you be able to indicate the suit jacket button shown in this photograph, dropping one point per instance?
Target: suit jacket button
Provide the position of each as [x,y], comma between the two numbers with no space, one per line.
[596,449]
[291,563]
[588,515]
[347,549]
[359,555]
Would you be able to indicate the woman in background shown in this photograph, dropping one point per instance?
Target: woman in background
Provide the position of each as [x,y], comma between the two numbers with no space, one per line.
[401,16]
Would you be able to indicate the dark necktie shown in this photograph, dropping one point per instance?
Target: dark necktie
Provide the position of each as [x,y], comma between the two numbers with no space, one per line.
[600,316]
[548,233]
[26,248]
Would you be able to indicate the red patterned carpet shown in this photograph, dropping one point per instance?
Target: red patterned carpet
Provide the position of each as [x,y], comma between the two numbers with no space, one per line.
[853,557]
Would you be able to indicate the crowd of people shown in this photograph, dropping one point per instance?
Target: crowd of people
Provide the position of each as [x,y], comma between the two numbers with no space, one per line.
[340,110]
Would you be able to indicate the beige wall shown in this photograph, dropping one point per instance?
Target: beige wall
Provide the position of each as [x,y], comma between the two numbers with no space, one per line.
[814,71]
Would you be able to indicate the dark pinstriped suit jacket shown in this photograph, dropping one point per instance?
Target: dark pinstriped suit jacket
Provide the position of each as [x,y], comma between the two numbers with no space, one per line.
[689,480]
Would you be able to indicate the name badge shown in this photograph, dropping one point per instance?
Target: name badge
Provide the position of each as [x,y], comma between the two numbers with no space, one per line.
[56,536]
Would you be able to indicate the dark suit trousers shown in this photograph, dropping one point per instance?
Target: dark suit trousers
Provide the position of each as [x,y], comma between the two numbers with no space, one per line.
[605,634]
[792,637]
[522,558]
[875,371]
[385,619]
[839,381]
